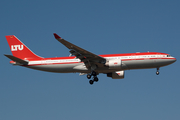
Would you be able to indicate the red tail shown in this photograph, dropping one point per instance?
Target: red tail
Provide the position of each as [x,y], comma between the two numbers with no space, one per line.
[20,50]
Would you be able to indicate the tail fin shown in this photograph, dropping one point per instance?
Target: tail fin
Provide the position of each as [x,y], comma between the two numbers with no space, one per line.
[19,49]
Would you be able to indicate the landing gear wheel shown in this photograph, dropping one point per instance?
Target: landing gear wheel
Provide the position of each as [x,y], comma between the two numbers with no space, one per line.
[89,76]
[93,73]
[91,82]
[96,79]
[157,73]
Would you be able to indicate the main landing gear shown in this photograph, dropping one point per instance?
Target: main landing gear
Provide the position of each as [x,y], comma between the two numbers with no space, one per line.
[95,78]
[157,72]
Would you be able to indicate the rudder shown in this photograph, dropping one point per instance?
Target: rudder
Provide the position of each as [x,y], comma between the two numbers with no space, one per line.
[19,49]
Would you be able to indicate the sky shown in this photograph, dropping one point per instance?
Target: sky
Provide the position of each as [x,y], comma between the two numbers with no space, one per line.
[101,27]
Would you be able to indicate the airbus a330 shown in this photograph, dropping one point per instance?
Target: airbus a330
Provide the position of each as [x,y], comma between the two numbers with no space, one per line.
[85,62]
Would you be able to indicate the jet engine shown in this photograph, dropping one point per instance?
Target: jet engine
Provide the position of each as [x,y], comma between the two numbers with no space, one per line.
[114,63]
[116,75]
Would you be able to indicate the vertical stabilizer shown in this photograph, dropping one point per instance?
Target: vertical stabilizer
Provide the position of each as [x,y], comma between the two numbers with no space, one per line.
[19,49]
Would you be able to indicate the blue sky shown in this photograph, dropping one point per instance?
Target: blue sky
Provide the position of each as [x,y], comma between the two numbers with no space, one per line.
[102,27]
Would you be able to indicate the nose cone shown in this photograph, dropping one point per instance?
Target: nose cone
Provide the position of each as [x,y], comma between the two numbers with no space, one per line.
[168,61]
[172,60]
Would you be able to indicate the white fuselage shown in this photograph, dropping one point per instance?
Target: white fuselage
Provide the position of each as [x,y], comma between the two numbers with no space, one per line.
[129,61]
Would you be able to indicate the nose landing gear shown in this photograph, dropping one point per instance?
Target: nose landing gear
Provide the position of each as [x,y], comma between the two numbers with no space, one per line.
[157,72]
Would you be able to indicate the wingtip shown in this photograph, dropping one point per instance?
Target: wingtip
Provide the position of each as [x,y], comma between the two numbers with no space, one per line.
[57,36]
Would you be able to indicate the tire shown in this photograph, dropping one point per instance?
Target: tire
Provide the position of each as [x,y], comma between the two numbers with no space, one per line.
[94,73]
[96,79]
[91,82]
[157,73]
[89,76]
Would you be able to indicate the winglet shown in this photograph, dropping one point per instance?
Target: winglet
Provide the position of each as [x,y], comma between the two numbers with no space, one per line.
[57,36]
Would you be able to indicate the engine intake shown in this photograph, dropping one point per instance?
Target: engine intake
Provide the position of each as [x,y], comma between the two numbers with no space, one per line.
[116,75]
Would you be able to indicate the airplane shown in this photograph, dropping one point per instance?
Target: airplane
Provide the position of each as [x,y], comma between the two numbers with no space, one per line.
[84,62]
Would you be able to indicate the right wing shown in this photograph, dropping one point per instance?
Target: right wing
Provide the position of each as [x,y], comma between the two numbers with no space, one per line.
[90,59]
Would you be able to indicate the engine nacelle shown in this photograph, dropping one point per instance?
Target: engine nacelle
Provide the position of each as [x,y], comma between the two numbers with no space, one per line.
[114,63]
[116,75]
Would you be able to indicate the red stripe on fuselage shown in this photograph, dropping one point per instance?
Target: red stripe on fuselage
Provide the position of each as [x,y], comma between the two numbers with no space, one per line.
[52,63]
[108,55]
[133,54]
[147,59]
[61,58]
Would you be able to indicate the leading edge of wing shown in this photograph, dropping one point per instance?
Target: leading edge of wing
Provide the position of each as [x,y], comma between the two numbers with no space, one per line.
[64,42]
[80,51]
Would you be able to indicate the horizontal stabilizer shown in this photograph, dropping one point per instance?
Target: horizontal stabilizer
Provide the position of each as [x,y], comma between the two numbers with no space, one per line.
[17,60]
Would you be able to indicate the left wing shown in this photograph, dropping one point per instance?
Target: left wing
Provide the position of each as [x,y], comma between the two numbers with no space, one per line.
[91,60]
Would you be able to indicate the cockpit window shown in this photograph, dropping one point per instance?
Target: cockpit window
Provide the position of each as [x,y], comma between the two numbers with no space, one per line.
[168,55]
